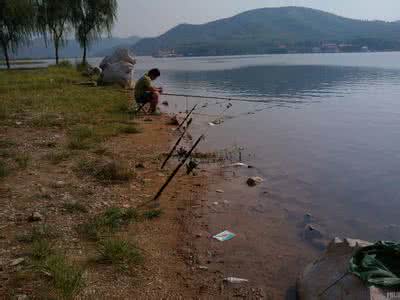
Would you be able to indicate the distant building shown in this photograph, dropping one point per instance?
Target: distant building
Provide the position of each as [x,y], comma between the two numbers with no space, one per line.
[166,53]
[330,48]
[364,49]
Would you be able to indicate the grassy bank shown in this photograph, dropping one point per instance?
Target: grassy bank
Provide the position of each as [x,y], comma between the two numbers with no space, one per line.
[67,165]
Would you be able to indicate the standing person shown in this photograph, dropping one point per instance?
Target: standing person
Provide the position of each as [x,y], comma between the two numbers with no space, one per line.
[145,92]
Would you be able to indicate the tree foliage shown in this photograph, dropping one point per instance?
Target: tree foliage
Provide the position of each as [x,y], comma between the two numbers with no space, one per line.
[54,17]
[16,25]
[92,18]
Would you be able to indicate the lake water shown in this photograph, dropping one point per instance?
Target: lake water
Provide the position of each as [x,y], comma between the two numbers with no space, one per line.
[325,134]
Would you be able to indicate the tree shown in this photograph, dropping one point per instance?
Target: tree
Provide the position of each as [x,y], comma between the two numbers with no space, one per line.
[92,18]
[53,16]
[16,25]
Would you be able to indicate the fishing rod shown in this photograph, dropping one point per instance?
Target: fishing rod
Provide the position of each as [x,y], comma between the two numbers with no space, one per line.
[230,99]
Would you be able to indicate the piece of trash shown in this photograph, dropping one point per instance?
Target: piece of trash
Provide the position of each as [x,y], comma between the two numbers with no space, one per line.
[165,103]
[215,203]
[224,236]
[235,280]
[204,268]
[212,124]
[239,164]
[220,191]
[253,181]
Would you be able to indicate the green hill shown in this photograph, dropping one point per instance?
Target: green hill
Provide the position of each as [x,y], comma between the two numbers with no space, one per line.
[273,29]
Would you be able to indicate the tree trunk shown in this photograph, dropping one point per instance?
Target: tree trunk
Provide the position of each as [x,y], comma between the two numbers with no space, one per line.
[84,53]
[56,47]
[5,50]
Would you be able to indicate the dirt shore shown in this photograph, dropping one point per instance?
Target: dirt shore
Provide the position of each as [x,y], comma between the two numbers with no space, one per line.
[46,189]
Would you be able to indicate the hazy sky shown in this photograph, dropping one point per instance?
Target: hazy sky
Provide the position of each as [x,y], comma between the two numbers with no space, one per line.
[154,17]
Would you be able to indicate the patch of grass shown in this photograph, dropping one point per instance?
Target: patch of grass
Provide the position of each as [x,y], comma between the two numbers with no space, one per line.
[119,252]
[111,220]
[56,157]
[22,160]
[75,207]
[152,214]
[38,233]
[4,171]
[129,129]
[41,249]
[106,170]
[82,137]
[43,120]
[6,143]
[65,64]
[66,277]
[3,112]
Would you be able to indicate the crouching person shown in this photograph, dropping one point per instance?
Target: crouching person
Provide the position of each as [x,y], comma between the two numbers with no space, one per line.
[145,92]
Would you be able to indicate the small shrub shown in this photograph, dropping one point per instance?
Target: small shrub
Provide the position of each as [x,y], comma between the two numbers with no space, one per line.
[82,137]
[3,112]
[57,157]
[111,220]
[38,233]
[3,169]
[129,129]
[116,217]
[65,64]
[152,214]
[74,207]
[22,160]
[105,171]
[5,153]
[44,120]
[6,143]
[41,249]
[67,278]
[119,252]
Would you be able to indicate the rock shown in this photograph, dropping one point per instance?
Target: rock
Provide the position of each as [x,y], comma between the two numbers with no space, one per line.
[174,121]
[35,217]
[118,68]
[60,184]
[119,73]
[253,181]
[203,268]
[17,262]
[220,191]
[140,166]
[119,55]
[312,232]
[307,219]
[165,103]
[325,271]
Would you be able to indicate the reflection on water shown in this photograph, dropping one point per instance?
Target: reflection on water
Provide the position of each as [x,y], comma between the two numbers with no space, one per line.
[299,82]
[334,156]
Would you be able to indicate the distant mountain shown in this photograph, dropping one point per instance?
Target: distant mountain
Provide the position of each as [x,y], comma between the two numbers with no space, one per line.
[38,50]
[270,30]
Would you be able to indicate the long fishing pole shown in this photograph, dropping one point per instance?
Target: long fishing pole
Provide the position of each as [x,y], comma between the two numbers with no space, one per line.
[176,144]
[187,117]
[230,99]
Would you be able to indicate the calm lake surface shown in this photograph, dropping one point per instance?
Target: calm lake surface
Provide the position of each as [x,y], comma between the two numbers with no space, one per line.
[324,134]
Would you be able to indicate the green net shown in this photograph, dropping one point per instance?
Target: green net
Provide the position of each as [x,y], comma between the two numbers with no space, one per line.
[378,265]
